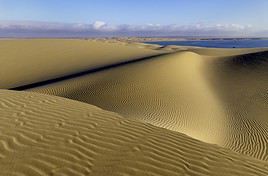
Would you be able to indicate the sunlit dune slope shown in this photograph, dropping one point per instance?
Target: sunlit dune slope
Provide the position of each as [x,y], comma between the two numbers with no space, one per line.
[220,100]
[29,61]
[45,135]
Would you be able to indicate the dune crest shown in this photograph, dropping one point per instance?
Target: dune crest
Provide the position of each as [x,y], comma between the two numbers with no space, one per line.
[29,61]
[46,135]
[215,98]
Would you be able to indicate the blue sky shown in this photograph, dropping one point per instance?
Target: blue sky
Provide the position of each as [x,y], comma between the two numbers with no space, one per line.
[205,13]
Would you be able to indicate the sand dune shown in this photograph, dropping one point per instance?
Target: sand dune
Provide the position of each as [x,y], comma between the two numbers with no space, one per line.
[45,135]
[175,103]
[29,61]
[241,82]
[216,99]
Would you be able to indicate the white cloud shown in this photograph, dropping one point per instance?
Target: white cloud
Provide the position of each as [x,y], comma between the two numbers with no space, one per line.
[99,25]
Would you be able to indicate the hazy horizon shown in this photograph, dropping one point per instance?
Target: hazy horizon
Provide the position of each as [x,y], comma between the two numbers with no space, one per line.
[210,18]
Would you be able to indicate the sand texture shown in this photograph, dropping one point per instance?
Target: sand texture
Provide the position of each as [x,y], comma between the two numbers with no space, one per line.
[109,107]
[46,135]
[217,99]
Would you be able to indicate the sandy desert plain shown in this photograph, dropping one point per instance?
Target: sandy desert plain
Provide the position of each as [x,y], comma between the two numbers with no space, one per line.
[106,107]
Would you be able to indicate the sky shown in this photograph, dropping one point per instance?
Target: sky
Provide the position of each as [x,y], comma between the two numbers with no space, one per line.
[133,17]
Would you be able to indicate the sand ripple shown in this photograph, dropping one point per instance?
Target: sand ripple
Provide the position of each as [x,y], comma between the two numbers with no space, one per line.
[220,100]
[45,135]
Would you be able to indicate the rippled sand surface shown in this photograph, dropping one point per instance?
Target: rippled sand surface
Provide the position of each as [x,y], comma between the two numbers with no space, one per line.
[46,135]
[164,110]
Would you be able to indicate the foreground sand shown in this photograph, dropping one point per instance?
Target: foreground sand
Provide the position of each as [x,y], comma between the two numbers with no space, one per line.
[45,135]
[175,103]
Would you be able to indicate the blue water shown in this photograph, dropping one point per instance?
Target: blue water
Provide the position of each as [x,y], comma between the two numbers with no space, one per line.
[251,43]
